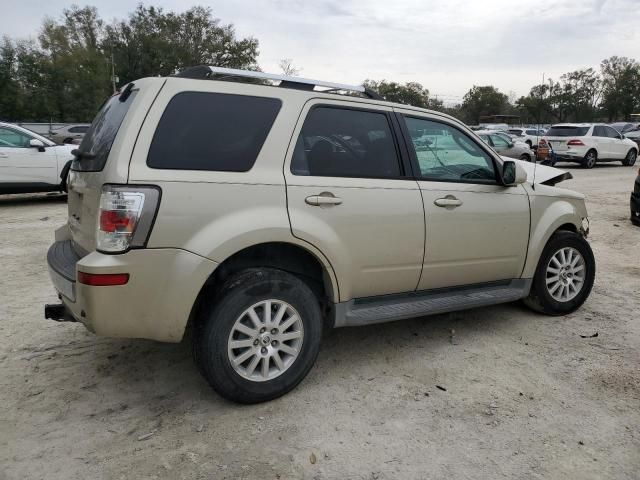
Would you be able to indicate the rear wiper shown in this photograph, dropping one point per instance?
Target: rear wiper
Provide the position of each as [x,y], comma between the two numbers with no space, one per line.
[79,154]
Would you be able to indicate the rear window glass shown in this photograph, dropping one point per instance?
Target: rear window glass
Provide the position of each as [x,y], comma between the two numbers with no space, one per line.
[567,131]
[212,131]
[97,142]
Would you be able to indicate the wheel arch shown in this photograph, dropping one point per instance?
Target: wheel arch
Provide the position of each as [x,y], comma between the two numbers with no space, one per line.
[559,215]
[300,260]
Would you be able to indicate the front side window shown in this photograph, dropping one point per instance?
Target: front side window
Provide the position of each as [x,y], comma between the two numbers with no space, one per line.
[499,142]
[445,153]
[340,142]
[78,129]
[611,133]
[13,139]
[212,131]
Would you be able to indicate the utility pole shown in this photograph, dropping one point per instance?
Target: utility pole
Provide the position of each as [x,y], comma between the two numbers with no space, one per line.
[114,79]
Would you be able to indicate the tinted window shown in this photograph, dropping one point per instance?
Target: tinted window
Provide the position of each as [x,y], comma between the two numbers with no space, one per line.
[568,131]
[13,139]
[598,131]
[532,132]
[97,142]
[447,154]
[515,131]
[212,131]
[611,133]
[78,129]
[337,142]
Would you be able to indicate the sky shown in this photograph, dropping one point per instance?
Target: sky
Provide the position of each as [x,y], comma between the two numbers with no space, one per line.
[446,45]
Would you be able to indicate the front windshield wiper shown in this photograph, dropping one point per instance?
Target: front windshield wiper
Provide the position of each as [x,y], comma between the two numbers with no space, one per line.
[79,154]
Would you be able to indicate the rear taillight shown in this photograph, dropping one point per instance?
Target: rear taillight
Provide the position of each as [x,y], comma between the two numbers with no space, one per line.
[575,143]
[126,217]
[103,279]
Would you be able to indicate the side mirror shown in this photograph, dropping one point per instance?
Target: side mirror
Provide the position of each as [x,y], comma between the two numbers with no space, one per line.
[511,145]
[512,173]
[35,143]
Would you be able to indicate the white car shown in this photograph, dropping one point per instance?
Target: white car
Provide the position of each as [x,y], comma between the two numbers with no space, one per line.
[530,136]
[30,162]
[588,143]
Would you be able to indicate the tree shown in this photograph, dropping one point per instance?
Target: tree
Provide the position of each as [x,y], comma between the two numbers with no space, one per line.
[481,101]
[620,87]
[288,68]
[151,42]
[411,93]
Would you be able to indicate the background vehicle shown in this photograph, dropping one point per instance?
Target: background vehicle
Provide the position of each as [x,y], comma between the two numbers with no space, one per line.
[633,135]
[292,210]
[507,147]
[30,162]
[530,136]
[635,202]
[587,144]
[624,127]
[69,133]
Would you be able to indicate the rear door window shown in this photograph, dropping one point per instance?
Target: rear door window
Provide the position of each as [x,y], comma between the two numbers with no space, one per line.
[97,142]
[212,131]
[599,131]
[341,142]
[567,131]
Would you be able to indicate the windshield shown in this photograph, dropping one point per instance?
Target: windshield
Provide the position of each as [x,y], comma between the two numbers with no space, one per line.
[96,144]
[567,131]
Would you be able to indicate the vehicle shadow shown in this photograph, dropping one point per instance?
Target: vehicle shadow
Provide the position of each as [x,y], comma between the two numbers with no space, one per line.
[32,198]
[155,376]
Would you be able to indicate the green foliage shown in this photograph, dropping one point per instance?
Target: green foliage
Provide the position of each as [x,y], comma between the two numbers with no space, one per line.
[411,93]
[481,101]
[66,75]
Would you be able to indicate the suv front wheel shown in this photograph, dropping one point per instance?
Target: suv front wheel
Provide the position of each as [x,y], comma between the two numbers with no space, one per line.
[260,337]
[564,276]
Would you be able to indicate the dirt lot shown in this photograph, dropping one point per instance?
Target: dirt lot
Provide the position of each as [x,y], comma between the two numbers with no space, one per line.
[510,394]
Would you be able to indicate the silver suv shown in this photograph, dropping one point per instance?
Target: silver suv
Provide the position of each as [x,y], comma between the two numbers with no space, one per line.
[261,215]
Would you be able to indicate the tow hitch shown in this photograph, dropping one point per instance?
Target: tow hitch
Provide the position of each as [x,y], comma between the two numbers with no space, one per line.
[58,312]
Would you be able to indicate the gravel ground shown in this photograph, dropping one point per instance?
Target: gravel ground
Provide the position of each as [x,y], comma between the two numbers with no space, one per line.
[483,394]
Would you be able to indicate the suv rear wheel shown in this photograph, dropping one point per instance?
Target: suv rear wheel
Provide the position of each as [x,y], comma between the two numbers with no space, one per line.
[630,159]
[564,276]
[590,159]
[260,337]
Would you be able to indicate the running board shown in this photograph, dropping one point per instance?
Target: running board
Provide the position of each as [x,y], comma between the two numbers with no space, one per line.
[386,308]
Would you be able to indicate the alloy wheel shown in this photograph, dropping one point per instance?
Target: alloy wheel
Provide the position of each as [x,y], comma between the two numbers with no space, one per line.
[265,340]
[565,275]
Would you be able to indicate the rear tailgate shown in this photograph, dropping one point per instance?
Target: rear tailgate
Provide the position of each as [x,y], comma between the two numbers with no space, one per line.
[559,135]
[103,157]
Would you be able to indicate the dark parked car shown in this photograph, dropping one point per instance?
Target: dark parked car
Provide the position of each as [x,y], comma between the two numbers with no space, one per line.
[633,135]
[635,202]
[624,127]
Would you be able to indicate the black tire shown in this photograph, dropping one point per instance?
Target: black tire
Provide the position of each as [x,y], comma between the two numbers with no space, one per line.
[525,157]
[218,316]
[539,298]
[67,141]
[590,159]
[630,159]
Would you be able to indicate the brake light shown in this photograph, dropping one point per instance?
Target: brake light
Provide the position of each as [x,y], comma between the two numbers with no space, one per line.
[575,143]
[102,279]
[126,216]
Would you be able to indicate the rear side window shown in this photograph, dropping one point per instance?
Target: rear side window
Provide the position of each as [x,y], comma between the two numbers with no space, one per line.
[78,129]
[212,131]
[567,131]
[97,142]
[340,142]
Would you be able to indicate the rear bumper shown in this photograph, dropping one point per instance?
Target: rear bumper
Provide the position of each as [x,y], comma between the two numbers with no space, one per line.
[569,157]
[155,303]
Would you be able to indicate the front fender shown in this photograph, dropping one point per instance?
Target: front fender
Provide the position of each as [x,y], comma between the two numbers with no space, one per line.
[548,214]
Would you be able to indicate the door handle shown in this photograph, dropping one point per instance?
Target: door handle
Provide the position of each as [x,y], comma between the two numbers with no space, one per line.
[324,199]
[448,201]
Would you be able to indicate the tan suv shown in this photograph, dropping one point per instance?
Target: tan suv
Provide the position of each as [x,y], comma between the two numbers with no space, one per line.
[262,214]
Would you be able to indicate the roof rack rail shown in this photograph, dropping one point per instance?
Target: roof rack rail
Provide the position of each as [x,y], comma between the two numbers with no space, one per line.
[204,71]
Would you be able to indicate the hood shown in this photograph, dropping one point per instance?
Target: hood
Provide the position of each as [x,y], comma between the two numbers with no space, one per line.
[543,173]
